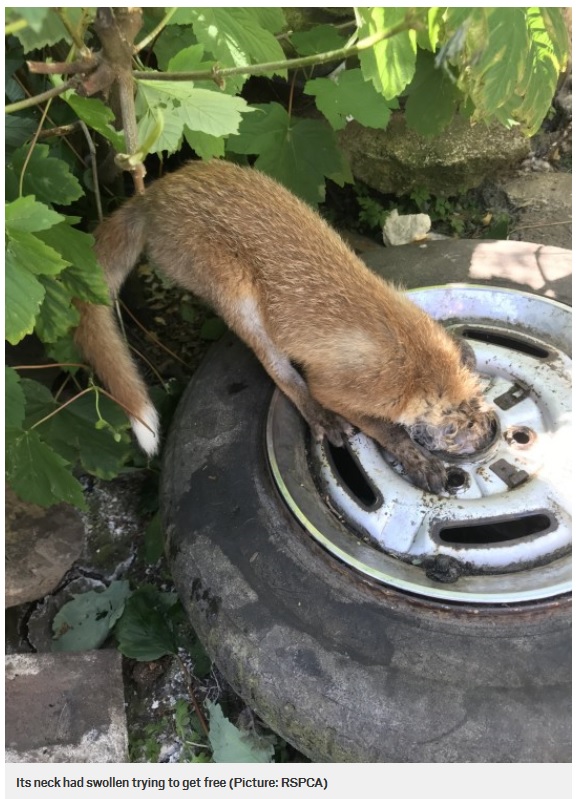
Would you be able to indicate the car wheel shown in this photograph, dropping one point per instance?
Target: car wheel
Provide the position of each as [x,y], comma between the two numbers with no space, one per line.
[362,619]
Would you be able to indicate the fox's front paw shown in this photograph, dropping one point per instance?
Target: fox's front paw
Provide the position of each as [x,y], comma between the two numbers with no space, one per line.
[425,471]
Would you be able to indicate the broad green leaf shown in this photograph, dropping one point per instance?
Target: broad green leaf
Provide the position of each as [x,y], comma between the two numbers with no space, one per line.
[320,39]
[86,621]
[494,74]
[350,95]
[17,129]
[272,19]
[300,153]
[390,63]
[30,253]
[204,145]
[97,116]
[557,32]
[231,745]
[145,630]
[213,329]
[57,315]
[432,98]
[47,29]
[39,401]
[84,278]
[15,399]
[172,40]
[23,296]
[38,474]
[235,37]
[64,351]
[78,426]
[48,179]
[35,17]
[200,110]
[189,59]
[212,113]
[26,214]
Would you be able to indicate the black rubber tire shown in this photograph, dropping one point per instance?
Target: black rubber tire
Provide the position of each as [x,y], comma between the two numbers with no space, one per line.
[344,669]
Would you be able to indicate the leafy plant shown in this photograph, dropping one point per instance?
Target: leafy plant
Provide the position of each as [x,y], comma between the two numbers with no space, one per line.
[176,78]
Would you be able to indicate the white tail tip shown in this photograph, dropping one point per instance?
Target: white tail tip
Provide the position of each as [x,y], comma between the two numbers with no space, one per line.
[147,434]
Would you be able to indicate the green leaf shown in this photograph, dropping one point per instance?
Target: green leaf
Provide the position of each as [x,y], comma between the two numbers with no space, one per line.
[235,37]
[208,112]
[64,351]
[557,32]
[320,39]
[432,98]
[86,621]
[15,399]
[30,253]
[17,129]
[84,278]
[171,41]
[48,179]
[145,630]
[495,72]
[390,63]
[97,116]
[57,315]
[204,145]
[26,214]
[23,296]
[300,153]
[231,745]
[38,474]
[350,95]
[75,427]
[47,29]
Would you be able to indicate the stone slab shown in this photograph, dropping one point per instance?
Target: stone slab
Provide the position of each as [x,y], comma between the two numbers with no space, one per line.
[65,708]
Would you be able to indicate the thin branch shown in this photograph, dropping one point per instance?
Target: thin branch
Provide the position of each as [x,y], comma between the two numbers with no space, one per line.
[39,98]
[62,67]
[95,174]
[152,337]
[31,148]
[156,31]
[194,702]
[51,366]
[63,406]
[274,66]
[155,371]
[72,32]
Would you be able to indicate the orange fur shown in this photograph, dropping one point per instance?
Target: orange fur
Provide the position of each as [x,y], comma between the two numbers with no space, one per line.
[288,285]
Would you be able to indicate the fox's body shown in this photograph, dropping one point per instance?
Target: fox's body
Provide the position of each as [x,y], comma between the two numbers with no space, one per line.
[289,286]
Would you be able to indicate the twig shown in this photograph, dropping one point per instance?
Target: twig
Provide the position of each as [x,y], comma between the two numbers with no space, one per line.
[62,67]
[194,702]
[217,73]
[542,224]
[63,406]
[95,174]
[74,34]
[39,98]
[156,31]
[31,148]
[140,355]
[152,337]
[51,366]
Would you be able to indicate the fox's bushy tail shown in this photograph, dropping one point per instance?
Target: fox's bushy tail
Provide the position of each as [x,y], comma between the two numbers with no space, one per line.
[120,239]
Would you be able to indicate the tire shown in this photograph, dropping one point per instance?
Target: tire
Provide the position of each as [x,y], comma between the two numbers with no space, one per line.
[344,669]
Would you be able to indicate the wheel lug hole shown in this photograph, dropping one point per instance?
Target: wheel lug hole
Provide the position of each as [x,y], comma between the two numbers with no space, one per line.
[520,437]
[456,480]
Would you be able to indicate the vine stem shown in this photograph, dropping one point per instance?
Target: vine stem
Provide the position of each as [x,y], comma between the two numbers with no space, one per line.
[194,702]
[274,66]
[28,102]
[156,31]
[63,406]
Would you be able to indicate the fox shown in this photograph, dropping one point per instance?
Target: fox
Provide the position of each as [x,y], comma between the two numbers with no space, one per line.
[347,347]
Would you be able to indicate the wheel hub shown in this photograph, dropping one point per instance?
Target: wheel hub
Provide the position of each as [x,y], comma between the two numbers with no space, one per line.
[502,530]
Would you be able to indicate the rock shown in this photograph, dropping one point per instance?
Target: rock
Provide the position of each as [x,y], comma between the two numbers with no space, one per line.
[405,229]
[542,202]
[65,708]
[41,546]
[398,160]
